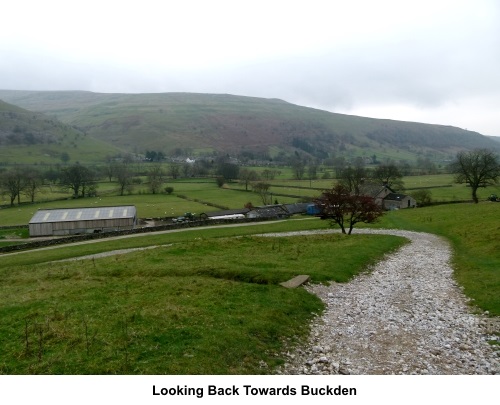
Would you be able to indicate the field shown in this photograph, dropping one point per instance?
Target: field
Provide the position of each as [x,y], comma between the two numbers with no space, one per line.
[202,303]
[167,309]
[203,195]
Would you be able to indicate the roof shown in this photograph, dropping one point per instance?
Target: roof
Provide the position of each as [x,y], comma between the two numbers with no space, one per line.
[270,211]
[82,214]
[226,212]
[374,190]
[297,208]
[395,197]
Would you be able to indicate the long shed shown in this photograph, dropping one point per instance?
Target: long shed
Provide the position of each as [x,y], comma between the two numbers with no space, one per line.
[72,221]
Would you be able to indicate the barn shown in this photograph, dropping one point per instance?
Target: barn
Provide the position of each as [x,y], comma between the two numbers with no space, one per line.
[73,221]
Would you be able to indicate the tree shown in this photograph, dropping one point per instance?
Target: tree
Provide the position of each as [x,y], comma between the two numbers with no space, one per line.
[388,175]
[477,168]
[32,184]
[270,174]
[80,179]
[298,167]
[155,178]
[246,176]
[227,170]
[422,197]
[352,177]
[123,177]
[347,209]
[174,170]
[262,189]
[12,184]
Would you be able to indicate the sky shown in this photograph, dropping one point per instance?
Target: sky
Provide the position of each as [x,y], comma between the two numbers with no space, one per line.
[427,61]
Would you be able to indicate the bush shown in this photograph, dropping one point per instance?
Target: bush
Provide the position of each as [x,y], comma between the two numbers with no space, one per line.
[422,197]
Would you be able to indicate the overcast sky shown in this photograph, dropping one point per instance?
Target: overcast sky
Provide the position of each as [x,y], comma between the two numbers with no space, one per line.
[428,61]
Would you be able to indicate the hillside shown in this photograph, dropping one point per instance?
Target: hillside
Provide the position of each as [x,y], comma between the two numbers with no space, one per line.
[31,137]
[203,123]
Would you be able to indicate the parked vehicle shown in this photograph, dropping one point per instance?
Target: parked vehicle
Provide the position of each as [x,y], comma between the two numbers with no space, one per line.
[179,219]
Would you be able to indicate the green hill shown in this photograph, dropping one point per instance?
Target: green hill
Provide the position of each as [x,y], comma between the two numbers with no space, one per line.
[31,137]
[200,123]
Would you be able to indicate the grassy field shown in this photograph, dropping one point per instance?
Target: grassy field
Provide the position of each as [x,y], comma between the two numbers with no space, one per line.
[203,194]
[166,310]
[202,304]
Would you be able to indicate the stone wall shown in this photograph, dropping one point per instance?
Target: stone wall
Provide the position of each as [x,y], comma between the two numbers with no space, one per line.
[79,238]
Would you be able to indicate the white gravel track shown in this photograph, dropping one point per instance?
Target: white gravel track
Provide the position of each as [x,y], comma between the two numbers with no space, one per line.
[406,316]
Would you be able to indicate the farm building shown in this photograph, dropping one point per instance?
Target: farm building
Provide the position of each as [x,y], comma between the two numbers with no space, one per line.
[72,221]
[394,201]
[225,214]
[388,198]
[297,208]
[276,211]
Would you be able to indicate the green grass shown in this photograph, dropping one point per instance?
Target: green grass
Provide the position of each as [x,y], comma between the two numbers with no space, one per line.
[143,240]
[208,306]
[166,310]
[14,233]
[474,232]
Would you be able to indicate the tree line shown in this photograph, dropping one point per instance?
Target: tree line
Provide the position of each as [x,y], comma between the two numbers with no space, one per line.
[477,168]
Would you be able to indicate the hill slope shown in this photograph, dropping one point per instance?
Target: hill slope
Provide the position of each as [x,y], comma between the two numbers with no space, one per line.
[198,123]
[31,137]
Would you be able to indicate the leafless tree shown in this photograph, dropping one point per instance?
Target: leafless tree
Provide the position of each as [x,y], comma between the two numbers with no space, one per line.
[388,175]
[246,176]
[12,182]
[477,168]
[262,189]
[155,178]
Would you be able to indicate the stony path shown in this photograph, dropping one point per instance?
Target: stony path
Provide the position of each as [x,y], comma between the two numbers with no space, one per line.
[407,316]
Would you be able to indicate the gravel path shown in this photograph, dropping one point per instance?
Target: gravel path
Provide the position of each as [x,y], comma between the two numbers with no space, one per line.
[407,316]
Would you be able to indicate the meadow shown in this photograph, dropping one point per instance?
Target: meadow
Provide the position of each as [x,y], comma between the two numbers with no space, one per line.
[206,301]
[203,302]
[203,195]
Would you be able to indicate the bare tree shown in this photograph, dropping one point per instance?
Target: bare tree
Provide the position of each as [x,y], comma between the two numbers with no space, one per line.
[12,184]
[352,177]
[82,180]
[123,176]
[246,176]
[32,183]
[262,189]
[346,209]
[174,170]
[298,167]
[388,175]
[155,178]
[477,168]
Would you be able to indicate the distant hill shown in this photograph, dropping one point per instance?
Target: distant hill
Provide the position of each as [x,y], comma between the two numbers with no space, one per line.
[204,123]
[33,137]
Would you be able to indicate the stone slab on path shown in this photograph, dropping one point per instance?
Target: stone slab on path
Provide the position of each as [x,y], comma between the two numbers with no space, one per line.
[296,281]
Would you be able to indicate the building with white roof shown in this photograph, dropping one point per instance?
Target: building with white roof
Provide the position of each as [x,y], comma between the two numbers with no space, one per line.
[72,221]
